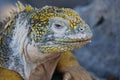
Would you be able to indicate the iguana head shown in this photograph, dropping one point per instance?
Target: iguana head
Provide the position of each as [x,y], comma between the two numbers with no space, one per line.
[58,29]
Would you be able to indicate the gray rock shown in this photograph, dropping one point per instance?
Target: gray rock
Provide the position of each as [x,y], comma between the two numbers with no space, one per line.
[58,3]
[41,3]
[102,55]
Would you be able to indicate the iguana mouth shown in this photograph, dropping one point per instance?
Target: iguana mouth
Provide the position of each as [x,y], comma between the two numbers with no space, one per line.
[73,42]
[65,42]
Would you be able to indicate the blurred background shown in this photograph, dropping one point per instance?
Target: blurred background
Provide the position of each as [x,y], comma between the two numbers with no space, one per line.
[101,57]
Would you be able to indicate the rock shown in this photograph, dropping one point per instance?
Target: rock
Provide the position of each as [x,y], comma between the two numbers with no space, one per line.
[102,55]
[41,3]
[58,3]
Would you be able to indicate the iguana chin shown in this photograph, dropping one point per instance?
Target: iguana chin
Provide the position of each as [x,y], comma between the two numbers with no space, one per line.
[35,42]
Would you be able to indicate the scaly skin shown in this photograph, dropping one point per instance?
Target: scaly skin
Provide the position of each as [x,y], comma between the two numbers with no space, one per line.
[6,74]
[70,68]
[42,39]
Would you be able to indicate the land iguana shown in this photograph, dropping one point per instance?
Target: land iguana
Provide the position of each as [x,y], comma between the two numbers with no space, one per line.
[35,42]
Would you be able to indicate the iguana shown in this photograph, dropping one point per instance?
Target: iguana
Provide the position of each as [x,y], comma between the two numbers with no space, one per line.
[35,42]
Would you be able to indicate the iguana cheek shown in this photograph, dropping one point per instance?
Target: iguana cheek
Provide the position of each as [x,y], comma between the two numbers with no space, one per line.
[58,35]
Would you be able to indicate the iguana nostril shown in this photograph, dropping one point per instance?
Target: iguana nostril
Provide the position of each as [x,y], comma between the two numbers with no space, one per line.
[81,29]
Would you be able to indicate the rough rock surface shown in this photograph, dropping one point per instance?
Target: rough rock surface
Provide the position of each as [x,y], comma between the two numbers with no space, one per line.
[102,55]
[41,3]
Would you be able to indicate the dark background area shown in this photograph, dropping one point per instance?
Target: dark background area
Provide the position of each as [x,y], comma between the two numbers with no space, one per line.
[102,56]
[58,3]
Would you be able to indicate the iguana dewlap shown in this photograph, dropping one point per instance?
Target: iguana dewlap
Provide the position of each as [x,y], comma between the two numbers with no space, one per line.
[35,42]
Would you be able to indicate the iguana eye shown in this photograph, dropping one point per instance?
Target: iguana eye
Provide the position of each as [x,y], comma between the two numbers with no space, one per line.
[58,27]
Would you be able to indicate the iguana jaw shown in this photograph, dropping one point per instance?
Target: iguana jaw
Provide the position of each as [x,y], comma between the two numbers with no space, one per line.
[61,46]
